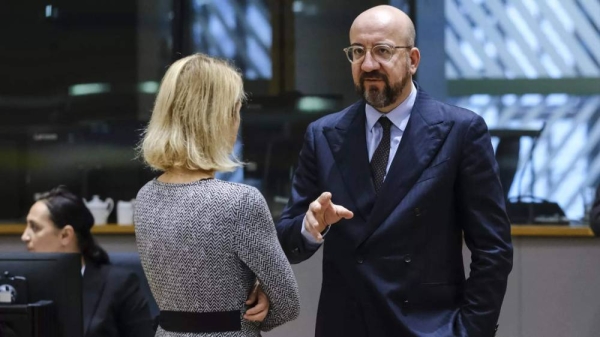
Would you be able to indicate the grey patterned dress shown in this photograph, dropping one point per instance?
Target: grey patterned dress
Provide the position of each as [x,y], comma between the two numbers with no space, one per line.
[202,245]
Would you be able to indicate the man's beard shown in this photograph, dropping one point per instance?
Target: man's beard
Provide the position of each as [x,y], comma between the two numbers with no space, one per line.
[381,98]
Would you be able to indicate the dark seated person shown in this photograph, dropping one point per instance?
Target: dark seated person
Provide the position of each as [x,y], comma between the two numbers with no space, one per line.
[113,303]
[595,213]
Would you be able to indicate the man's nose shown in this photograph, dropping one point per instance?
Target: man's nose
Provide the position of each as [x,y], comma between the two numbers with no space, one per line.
[369,64]
[25,237]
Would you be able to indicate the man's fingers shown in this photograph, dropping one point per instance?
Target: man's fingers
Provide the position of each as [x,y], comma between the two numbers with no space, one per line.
[336,213]
[324,198]
[311,220]
[322,212]
[311,224]
[343,212]
[315,207]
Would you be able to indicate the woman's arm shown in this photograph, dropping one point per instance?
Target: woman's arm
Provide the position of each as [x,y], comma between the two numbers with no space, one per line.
[258,247]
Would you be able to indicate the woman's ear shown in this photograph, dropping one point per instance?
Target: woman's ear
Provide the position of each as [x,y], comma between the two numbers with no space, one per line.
[67,236]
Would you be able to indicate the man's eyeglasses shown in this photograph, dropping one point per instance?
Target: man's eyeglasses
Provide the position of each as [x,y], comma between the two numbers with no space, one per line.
[380,52]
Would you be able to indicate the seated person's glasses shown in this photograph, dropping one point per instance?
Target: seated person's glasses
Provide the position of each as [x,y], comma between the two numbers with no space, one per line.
[380,52]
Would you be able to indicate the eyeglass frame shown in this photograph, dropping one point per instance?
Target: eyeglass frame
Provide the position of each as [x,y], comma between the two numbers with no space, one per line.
[368,49]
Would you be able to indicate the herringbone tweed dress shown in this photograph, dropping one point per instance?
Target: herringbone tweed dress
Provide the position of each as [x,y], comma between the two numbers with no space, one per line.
[202,245]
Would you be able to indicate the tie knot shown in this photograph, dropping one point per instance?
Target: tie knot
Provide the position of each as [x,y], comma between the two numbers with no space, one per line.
[385,123]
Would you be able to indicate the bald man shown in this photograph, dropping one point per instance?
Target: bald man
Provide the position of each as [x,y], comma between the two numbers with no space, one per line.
[389,187]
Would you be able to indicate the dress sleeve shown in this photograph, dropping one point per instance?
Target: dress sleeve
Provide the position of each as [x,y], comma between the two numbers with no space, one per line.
[258,247]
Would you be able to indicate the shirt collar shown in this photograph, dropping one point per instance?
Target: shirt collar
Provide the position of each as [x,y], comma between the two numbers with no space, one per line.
[398,116]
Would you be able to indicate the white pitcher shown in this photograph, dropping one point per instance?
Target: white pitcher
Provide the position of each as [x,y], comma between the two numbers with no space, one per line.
[100,209]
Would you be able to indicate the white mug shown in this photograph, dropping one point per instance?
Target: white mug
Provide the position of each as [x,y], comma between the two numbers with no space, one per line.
[125,212]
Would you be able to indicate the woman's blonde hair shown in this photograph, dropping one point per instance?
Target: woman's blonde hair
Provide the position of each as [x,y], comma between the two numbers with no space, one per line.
[194,116]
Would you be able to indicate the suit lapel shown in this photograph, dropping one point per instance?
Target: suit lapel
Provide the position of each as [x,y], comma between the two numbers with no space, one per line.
[347,141]
[422,138]
[93,286]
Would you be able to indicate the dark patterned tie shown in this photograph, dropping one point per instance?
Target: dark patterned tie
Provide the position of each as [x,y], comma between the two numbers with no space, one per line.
[381,155]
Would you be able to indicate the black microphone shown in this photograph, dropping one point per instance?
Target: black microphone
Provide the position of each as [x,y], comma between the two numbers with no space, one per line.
[537,210]
[530,163]
[530,210]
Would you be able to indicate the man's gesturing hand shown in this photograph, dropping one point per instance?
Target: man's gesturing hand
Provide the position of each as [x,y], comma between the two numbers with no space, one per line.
[321,213]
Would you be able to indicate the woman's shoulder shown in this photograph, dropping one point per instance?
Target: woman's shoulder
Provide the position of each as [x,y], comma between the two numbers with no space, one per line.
[244,199]
[210,183]
[241,196]
[146,189]
[239,188]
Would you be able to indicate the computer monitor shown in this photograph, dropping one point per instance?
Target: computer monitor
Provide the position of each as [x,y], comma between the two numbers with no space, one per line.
[55,277]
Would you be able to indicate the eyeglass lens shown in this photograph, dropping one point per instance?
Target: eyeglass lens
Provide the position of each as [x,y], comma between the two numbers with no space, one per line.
[380,53]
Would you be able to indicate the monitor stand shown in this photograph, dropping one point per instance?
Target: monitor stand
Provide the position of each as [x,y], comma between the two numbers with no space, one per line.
[28,320]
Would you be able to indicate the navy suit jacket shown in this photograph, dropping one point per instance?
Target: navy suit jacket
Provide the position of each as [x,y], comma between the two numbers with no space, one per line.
[113,304]
[396,268]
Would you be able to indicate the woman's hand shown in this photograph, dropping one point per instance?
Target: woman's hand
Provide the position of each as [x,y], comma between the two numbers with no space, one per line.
[259,303]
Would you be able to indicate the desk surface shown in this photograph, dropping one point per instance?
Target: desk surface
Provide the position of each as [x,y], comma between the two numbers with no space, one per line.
[516,230]
[109,229]
[551,230]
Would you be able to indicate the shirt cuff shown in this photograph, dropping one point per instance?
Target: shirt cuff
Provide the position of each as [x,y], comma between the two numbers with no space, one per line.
[308,237]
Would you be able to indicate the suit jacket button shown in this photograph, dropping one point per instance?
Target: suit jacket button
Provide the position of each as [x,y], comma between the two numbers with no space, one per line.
[417,211]
[295,251]
[360,259]
[407,259]
[404,307]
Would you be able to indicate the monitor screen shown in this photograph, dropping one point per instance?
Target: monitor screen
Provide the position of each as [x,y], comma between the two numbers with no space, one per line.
[55,277]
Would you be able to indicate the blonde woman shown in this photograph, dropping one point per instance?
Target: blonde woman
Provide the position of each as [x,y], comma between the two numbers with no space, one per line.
[203,242]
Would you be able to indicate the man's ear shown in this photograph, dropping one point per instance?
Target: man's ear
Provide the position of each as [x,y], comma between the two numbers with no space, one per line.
[67,236]
[415,59]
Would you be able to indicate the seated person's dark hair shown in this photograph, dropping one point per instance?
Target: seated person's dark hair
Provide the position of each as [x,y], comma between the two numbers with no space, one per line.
[66,208]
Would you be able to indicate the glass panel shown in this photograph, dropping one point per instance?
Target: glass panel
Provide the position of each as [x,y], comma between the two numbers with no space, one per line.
[239,30]
[522,39]
[539,70]
[82,77]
